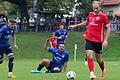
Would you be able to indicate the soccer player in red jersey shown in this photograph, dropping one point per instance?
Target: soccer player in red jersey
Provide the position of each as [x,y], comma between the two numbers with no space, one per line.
[94,37]
[52,41]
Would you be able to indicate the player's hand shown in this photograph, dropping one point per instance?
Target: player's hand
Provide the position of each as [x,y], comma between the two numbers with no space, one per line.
[65,72]
[105,44]
[47,39]
[16,46]
[71,27]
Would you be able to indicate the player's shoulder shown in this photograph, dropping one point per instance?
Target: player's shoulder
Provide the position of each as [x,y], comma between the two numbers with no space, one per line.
[4,27]
[66,51]
[102,14]
[65,30]
[58,30]
[91,13]
[52,49]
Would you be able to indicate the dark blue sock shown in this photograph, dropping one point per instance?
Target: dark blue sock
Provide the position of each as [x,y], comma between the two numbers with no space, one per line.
[10,64]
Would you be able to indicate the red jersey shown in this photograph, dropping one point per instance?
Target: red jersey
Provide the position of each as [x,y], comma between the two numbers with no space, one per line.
[95,28]
[52,41]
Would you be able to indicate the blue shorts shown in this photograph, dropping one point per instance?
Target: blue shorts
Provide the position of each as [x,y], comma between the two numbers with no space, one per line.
[52,66]
[5,49]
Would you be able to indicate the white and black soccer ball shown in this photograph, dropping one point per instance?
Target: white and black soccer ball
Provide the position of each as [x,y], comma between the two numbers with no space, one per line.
[71,75]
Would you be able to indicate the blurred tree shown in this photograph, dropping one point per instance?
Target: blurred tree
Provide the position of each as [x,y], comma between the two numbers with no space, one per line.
[6,8]
[51,6]
[1,1]
[22,6]
[55,5]
[85,6]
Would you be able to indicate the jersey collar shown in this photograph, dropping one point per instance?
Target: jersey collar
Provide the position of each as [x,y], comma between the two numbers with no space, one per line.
[97,14]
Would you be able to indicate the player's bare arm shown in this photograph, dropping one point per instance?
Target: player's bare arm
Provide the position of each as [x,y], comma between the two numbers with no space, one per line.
[46,44]
[105,43]
[14,41]
[78,25]
[65,66]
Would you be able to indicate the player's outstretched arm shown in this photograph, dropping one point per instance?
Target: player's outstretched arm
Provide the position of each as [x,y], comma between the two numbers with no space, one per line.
[14,41]
[77,25]
[65,66]
[46,44]
[57,37]
[105,43]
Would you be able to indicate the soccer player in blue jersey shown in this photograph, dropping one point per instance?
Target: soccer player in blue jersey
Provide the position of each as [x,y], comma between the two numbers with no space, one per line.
[59,59]
[61,34]
[5,32]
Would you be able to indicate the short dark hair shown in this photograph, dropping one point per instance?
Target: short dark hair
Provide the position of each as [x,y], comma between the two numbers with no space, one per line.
[11,20]
[61,23]
[61,43]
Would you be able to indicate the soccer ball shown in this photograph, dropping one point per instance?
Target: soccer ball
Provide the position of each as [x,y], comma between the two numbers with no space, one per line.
[70,75]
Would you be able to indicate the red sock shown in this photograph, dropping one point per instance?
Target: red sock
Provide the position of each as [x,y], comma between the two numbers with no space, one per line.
[101,65]
[90,64]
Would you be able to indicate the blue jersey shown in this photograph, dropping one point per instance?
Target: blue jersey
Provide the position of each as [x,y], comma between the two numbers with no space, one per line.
[58,57]
[5,33]
[61,32]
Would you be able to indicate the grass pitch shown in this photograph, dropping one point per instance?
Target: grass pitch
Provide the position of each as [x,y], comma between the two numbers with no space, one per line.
[31,51]
[22,71]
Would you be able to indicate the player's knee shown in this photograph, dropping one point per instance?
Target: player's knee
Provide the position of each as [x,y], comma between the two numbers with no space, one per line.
[11,60]
[56,69]
[89,56]
[45,61]
[10,55]
[99,60]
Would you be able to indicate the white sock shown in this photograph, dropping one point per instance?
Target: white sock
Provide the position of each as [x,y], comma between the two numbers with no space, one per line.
[9,73]
[91,73]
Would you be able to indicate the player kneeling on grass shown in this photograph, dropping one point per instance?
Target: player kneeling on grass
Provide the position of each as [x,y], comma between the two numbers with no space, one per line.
[5,32]
[59,59]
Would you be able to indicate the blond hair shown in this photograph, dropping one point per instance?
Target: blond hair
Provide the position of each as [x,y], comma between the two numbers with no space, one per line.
[96,2]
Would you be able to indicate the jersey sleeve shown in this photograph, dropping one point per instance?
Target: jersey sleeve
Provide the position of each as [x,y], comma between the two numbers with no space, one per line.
[2,30]
[87,18]
[66,57]
[105,20]
[56,33]
[52,50]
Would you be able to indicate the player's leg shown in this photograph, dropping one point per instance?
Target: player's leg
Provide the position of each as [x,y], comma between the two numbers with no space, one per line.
[10,64]
[9,53]
[90,63]
[44,62]
[55,70]
[86,63]
[99,58]
[89,52]
[100,61]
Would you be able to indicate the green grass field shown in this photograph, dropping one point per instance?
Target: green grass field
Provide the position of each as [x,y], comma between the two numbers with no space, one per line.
[22,71]
[31,51]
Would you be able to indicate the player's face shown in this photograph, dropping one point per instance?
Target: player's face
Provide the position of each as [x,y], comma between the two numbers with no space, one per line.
[61,26]
[96,8]
[11,25]
[61,47]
